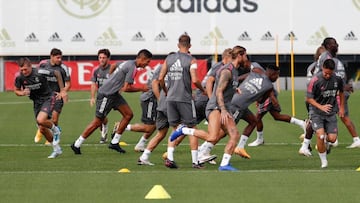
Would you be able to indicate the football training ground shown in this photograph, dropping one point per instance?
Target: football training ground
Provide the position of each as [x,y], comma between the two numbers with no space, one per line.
[275,173]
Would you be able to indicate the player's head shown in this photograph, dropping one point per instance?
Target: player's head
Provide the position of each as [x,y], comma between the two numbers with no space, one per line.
[143,58]
[25,66]
[272,72]
[55,56]
[328,68]
[226,55]
[184,41]
[238,53]
[331,45]
[103,57]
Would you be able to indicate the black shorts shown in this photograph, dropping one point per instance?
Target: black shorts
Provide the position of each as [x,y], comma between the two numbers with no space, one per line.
[149,111]
[45,105]
[200,107]
[104,104]
[58,105]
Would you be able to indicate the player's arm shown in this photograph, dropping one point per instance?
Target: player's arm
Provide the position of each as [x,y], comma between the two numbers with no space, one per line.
[194,78]
[128,87]
[112,68]
[162,75]
[22,91]
[209,85]
[63,92]
[225,77]
[93,93]
[156,88]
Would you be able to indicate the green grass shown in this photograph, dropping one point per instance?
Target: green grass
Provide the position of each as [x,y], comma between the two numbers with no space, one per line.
[275,173]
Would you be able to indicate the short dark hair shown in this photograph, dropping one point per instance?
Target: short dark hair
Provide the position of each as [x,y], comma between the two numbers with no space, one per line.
[272,67]
[329,64]
[327,41]
[55,52]
[24,61]
[185,40]
[104,51]
[144,52]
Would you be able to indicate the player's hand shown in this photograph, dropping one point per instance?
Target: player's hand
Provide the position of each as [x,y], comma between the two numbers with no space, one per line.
[224,116]
[26,92]
[62,95]
[92,102]
[326,108]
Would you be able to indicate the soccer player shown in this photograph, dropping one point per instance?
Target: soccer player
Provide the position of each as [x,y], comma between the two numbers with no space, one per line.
[148,103]
[99,75]
[181,70]
[272,106]
[109,97]
[32,82]
[321,95]
[55,62]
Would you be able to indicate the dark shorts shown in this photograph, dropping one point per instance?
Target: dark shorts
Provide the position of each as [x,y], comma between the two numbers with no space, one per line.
[58,105]
[104,104]
[240,114]
[181,112]
[161,120]
[149,111]
[200,107]
[45,105]
[267,106]
[329,123]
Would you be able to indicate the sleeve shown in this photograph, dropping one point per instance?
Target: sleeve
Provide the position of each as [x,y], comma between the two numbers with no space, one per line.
[18,82]
[311,87]
[93,75]
[66,76]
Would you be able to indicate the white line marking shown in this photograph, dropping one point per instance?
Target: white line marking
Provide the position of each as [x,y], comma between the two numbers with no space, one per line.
[29,102]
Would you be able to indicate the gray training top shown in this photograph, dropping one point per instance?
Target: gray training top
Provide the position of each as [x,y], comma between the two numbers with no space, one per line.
[178,71]
[252,89]
[124,72]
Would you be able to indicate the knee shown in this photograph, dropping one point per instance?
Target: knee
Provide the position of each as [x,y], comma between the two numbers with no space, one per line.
[128,116]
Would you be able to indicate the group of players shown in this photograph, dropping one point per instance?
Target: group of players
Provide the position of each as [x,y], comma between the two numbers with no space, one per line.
[223,98]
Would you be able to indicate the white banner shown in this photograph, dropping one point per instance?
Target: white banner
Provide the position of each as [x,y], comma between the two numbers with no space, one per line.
[126,26]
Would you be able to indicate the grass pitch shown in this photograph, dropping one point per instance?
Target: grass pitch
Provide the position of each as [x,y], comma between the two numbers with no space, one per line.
[275,173]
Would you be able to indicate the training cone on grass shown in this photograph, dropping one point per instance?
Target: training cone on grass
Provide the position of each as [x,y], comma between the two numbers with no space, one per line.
[358,169]
[124,170]
[157,192]
[123,144]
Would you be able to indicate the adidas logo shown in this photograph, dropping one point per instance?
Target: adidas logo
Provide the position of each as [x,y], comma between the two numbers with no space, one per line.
[5,39]
[55,38]
[267,36]
[78,38]
[317,38]
[161,37]
[138,37]
[108,38]
[214,37]
[291,34]
[350,36]
[244,37]
[31,38]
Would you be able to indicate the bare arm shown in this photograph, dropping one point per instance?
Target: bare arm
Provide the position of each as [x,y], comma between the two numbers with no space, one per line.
[225,77]
[92,93]
[209,85]
[162,75]
[62,94]
[194,78]
[112,68]
[156,88]
[130,88]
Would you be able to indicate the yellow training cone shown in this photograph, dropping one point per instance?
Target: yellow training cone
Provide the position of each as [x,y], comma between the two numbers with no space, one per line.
[123,144]
[157,192]
[358,169]
[124,170]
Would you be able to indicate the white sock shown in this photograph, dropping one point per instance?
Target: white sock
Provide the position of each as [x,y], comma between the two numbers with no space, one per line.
[225,159]
[128,127]
[242,142]
[188,131]
[79,141]
[116,138]
[260,135]
[355,139]
[56,147]
[142,140]
[194,156]
[298,122]
[305,143]
[104,130]
[170,153]
[208,147]
[322,156]
[145,155]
